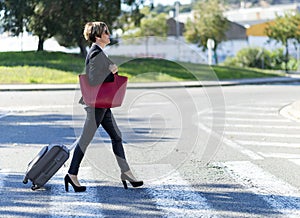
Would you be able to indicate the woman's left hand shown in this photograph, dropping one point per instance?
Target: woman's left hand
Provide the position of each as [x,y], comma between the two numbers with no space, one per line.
[113,68]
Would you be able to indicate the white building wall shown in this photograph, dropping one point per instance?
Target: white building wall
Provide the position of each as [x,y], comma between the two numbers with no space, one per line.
[169,48]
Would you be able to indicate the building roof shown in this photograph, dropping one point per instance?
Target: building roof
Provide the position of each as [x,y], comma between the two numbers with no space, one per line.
[235,31]
[259,29]
[172,31]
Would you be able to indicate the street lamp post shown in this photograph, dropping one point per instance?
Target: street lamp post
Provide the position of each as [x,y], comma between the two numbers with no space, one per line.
[177,18]
[177,4]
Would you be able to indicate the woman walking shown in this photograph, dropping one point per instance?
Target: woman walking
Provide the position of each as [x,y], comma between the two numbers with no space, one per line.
[99,69]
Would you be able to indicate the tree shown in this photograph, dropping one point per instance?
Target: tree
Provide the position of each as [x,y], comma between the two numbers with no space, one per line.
[77,13]
[63,19]
[15,15]
[44,20]
[152,24]
[40,17]
[209,23]
[283,29]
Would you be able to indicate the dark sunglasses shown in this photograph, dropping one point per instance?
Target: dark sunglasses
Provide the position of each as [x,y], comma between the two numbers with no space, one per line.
[106,32]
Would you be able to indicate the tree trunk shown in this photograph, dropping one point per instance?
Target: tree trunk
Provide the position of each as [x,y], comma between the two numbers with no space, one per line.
[216,55]
[82,47]
[41,44]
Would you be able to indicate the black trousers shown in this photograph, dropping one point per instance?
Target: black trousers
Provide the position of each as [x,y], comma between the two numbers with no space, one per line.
[95,117]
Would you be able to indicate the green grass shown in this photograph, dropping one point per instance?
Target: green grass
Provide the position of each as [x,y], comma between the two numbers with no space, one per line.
[39,67]
[58,67]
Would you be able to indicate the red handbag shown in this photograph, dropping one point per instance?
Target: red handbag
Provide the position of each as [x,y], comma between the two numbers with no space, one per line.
[105,95]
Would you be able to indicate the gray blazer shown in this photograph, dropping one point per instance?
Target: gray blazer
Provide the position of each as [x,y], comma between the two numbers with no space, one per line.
[97,66]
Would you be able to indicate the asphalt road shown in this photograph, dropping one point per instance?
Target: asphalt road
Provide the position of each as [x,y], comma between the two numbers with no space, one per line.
[202,152]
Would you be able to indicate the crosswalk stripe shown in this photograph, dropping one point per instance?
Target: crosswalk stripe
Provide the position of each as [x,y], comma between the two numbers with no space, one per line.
[34,107]
[233,125]
[3,174]
[247,152]
[280,155]
[247,119]
[271,107]
[68,204]
[232,144]
[269,144]
[251,113]
[295,161]
[278,135]
[5,114]
[281,195]
[174,195]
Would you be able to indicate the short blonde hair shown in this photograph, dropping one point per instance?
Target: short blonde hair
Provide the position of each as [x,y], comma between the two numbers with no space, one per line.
[93,30]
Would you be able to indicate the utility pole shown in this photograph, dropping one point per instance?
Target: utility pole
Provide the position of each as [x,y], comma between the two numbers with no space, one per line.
[177,18]
[177,4]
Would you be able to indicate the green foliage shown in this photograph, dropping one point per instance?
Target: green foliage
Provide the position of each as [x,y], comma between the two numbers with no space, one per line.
[208,23]
[167,8]
[63,19]
[78,12]
[260,58]
[15,14]
[44,20]
[284,29]
[151,24]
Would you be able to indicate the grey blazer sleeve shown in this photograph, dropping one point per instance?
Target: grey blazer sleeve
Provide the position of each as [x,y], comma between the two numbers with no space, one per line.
[98,69]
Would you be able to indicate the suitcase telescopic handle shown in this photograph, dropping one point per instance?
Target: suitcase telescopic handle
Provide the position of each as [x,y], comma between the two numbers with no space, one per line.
[71,147]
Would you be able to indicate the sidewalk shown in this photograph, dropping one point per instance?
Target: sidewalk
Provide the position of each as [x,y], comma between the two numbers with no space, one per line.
[292,111]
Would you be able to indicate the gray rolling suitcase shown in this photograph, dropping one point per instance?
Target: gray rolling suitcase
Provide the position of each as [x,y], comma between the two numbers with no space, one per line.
[46,163]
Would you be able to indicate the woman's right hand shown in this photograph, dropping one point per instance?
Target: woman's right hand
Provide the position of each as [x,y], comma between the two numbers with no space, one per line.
[113,68]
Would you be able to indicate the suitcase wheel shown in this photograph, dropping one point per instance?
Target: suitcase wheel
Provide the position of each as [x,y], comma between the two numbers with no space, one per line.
[34,187]
[25,181]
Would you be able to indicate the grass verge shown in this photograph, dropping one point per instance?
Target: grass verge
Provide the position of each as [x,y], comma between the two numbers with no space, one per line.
[57,67]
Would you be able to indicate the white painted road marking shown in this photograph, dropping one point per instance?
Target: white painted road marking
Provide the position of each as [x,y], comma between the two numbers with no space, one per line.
[280,155]
[247,152]
[283,127]
[278,135]
[233,144]
[269,144]
[249,113]
[174,195]
[64,203]
[6,114]
[34,107]
[247,119]
[295,161]
[255,108]
[281,195]
[3,174]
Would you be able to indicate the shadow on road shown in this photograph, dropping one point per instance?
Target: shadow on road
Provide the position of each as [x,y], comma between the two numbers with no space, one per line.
[19,200]
[36,129]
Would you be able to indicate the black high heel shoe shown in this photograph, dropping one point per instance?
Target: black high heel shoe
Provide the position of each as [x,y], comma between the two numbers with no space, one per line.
[130,178]
[75,187]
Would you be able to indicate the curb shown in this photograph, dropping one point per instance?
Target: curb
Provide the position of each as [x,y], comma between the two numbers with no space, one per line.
[291,111]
